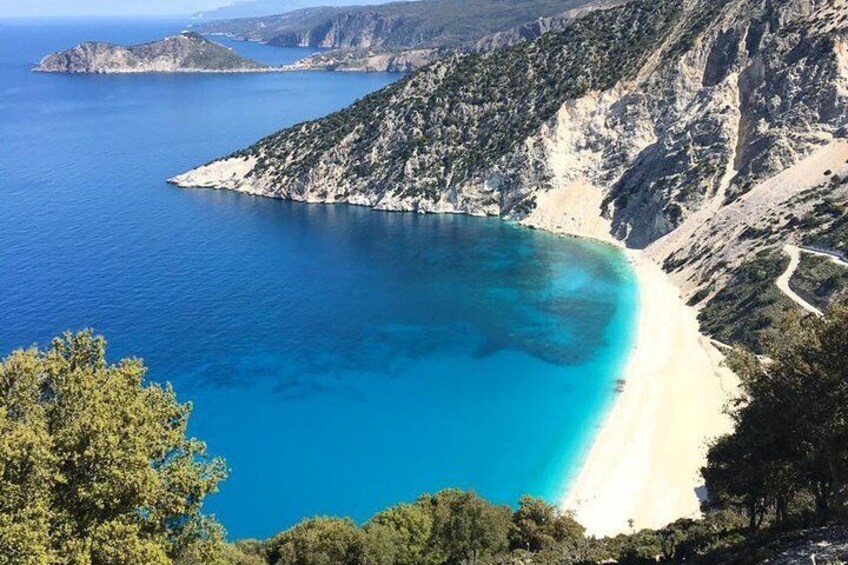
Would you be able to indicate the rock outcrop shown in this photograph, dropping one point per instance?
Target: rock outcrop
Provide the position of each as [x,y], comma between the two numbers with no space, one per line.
[183,53]
[704,131]
[364,60]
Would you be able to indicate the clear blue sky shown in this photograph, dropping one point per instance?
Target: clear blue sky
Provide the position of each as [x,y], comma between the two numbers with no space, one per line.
[40,8]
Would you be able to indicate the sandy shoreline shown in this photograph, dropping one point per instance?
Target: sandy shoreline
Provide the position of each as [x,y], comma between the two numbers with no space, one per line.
[644,462]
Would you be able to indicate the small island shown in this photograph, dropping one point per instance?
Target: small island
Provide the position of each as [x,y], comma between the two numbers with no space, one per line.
[186,52]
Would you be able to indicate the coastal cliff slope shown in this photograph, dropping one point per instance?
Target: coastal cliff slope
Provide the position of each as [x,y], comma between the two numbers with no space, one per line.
[403,36]
[707,132]
[186,52]
[260,8]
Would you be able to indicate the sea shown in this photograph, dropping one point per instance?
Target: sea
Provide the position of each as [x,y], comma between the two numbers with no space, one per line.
[340,359]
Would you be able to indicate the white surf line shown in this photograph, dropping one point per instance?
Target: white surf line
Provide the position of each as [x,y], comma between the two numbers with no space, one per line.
[794,253]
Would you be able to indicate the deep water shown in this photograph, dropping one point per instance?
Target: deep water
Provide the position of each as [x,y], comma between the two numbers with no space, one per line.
[340,359]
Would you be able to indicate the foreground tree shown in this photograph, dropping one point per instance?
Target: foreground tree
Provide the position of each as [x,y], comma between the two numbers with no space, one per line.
[317,541]
[791,426]
[399,535]
[95,465]
[451,527]
[537,525]
[466,528]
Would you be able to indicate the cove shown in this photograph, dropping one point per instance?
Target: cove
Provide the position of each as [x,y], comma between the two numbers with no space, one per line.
[340,359]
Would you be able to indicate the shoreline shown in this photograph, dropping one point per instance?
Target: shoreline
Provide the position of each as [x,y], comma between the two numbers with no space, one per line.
[644,458]
[643,463]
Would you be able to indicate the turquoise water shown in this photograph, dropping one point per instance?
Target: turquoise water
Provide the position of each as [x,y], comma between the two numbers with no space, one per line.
[340,359]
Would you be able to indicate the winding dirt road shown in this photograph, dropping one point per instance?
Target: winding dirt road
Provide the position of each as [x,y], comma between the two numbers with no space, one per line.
[782,281]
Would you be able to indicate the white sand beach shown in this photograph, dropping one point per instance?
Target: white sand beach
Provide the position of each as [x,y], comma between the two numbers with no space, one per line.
[644,463]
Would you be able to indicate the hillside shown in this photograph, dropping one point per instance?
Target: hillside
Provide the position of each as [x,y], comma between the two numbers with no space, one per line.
[186,52]
[260,8]
[707,133]
[405,35]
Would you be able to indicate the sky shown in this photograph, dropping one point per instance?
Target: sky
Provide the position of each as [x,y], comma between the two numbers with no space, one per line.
[83,8]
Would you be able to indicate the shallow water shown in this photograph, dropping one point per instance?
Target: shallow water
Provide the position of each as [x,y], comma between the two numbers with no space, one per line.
[340,359]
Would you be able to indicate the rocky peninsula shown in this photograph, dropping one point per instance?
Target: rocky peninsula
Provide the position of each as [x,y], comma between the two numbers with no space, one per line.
[186,52]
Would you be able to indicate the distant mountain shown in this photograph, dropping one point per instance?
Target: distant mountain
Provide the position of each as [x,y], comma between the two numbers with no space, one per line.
[186,52]
[405,35]
[260,8]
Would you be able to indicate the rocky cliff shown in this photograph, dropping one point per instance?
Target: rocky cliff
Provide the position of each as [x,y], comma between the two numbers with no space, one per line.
[259,8]
[186,52]
[707,132]
[406,60]
[403,36]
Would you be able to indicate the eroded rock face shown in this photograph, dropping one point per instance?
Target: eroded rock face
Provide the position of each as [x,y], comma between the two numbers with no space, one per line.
[449,137]
[186,52]
[374,59]
[406,36]
[674,111]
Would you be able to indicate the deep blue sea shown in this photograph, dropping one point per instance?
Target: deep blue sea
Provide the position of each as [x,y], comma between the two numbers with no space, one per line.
[340,359]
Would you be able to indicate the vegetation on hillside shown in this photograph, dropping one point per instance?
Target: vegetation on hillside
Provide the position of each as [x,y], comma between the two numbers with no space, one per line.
[451,122]
[207,54]
[749,309]
[819,280]
[827,225]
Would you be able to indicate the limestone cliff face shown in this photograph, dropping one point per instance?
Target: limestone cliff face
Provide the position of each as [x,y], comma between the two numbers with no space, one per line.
[349,29]
[449,137]
[396,25]
[404,36]
[186,52]
[375,57]
[676,118]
